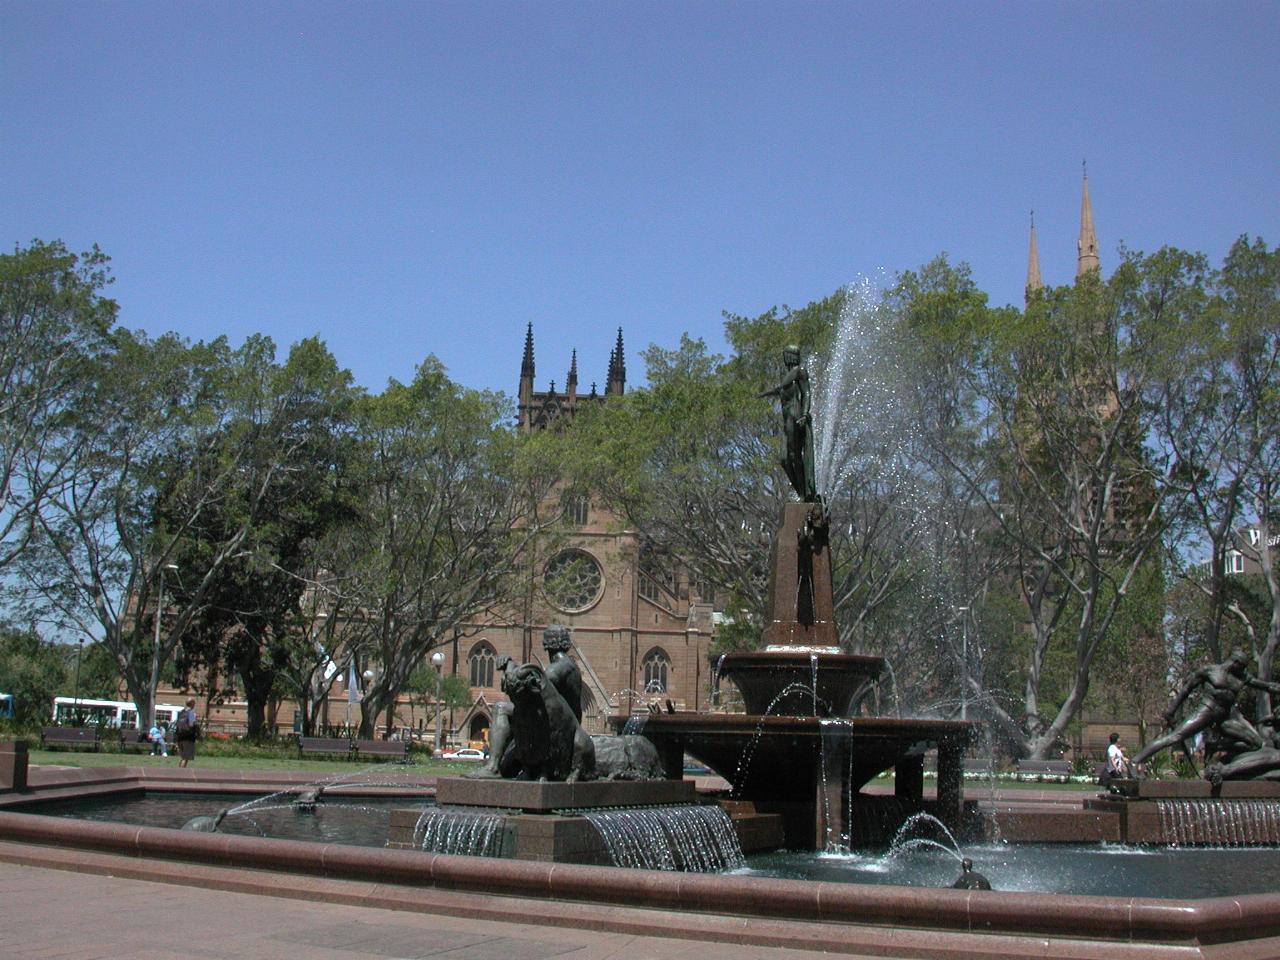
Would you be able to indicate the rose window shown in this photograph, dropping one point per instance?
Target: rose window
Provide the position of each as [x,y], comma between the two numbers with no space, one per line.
[573,580]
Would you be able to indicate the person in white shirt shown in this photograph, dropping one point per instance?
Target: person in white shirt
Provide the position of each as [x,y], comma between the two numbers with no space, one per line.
[157,740]
[1117,762]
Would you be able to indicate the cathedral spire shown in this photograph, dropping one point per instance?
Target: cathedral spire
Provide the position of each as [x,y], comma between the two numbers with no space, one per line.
[571,384]
[1034,282]
[525,392]
[617,370]
[1087,246]
[526,368]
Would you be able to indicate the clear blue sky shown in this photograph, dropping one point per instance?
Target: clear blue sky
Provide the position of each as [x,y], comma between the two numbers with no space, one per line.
[414,178]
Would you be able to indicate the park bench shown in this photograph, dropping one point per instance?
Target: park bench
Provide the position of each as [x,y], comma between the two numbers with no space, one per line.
[77,738]
[134,741]
[395,749]
[1060,770]
[313,746]
[977,768]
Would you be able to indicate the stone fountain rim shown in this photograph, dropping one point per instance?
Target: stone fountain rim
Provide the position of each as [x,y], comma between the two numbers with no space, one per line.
[798,655]
[1106,919]
[741,724]
[848,915]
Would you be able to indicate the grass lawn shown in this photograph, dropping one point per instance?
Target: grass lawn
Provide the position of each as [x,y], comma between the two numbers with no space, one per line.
[278,760]
[211,761]
[975,788]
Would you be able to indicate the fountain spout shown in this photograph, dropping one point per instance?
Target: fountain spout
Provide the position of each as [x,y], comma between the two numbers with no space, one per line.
[307,799]
[206,824]
[970,879]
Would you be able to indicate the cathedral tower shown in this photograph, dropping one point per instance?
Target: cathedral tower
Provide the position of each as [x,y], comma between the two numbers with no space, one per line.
[539,409]
[1087,246]
[1034,282]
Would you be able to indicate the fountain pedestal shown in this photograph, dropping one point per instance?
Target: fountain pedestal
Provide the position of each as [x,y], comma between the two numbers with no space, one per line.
[1194,812]
[549,821]
[799,609]
[542,796]
[809,770]
[801,750]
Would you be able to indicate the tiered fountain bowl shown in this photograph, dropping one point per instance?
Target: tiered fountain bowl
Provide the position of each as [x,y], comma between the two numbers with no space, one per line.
[802,749]
[798,682]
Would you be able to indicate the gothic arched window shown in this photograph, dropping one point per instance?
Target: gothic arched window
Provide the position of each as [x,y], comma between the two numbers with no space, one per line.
[482,661]
[576,508]
[656,663]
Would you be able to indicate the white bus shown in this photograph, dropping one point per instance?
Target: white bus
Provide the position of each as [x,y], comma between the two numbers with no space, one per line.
[110,713]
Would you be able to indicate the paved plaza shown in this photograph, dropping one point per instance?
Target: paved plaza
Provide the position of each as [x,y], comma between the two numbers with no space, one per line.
[54,914]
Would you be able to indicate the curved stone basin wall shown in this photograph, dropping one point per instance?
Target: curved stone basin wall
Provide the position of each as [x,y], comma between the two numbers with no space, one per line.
[840,918]
[849,918]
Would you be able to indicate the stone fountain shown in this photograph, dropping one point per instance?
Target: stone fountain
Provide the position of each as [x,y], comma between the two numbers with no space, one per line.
[551,792]
[802,750]
[797,759]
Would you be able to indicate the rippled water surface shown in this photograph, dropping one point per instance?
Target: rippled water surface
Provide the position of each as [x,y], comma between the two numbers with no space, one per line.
[356,821]
[1106,870]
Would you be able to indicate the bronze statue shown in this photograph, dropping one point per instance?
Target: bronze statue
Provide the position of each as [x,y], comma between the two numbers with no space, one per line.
[546,741]
[626,757]
[561,672]
[307,799]
[206,824]
[1243,747]
[797,425]
[561,677]
[538,735]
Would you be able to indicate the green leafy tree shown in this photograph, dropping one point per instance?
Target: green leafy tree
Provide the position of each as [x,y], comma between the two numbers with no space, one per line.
[32,671]
[1249,293]
[99,673]
[1062,465]
[159,419]
[448,512]
[436,694]
[54,323]
[290,490]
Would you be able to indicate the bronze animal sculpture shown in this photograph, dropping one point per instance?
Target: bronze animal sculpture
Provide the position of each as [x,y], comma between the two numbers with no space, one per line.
[562,673]
[626,757]
[206,824]
[307,799]
[969,878]
[547,742]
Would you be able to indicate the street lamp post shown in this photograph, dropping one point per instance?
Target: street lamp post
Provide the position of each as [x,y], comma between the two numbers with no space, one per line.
[353,692]
[964,658]
[437,661]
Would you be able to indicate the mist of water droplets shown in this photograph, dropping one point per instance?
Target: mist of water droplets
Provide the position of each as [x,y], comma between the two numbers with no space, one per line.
[868,438]
[862,421]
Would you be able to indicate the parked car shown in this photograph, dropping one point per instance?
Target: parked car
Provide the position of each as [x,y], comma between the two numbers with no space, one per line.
[466,753]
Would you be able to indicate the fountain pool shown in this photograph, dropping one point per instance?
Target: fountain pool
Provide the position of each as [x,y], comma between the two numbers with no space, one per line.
[358,821]
[1105,870]
[1112,870]
[760,905]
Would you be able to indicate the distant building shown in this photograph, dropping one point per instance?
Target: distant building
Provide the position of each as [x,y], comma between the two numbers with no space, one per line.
[641,627]
[1087,259]
[1244,554]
